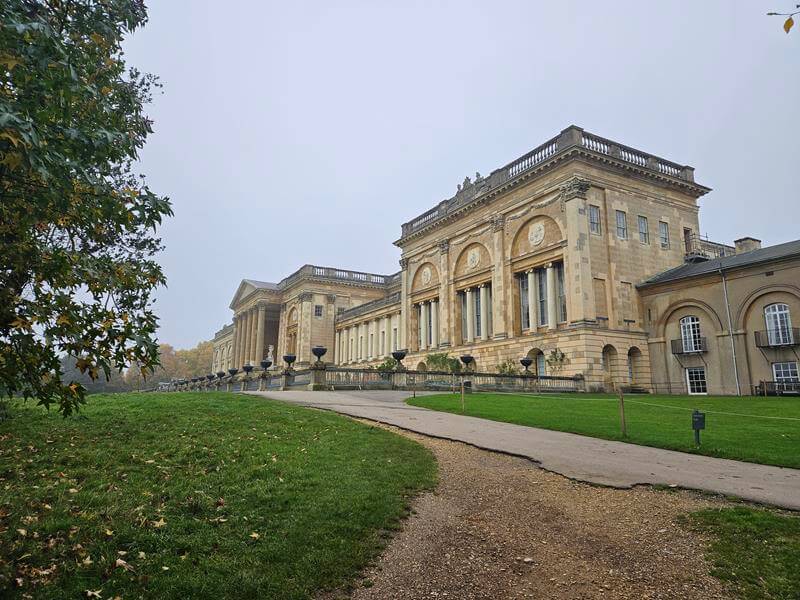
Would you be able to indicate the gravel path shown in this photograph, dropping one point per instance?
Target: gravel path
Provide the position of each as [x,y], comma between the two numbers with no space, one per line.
[498,527]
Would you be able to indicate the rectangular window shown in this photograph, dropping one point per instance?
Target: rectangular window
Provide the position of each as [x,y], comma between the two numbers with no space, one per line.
[394,339]
[663,234]
[696,380]
[785,372]
[383,343]
[622,225]
[644,230]
[463,316]
[541,284]
[594,219]
[317,310]
[687,239]
[562,295]
[525,317]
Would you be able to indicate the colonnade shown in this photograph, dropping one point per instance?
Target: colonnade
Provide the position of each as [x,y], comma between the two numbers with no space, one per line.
[369,340]
[550,294]
[248,336]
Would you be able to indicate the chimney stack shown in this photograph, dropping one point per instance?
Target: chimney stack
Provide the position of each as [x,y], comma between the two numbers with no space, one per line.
[747,244]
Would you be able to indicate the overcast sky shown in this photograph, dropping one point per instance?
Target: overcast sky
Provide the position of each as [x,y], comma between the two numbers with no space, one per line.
[298,132]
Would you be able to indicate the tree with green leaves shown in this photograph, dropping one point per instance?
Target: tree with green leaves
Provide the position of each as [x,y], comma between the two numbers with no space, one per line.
[442,361]
[77,223]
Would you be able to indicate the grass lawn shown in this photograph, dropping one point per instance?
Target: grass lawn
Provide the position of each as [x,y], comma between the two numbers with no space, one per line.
[196,495]
[754,429]
[757,551]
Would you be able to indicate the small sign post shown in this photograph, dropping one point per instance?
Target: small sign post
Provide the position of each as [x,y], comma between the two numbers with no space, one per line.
[622,414]
[698,423]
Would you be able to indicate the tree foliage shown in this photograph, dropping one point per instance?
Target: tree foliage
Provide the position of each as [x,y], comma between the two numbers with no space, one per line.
[442,361]
[77,225]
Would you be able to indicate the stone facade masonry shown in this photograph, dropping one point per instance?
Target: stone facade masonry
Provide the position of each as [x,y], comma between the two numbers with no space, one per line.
[542,255]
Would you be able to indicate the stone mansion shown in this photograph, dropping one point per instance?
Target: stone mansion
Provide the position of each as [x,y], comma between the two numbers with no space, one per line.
[584,255]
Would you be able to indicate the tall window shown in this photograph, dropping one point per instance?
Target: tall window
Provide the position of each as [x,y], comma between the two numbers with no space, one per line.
[785,372]
[687,239]
[594,219]
[663,234]
[690,334]
[317,310]
[644,230]
[394,339]
[541,364]
[525,317]
[562,295]
[779,324]
[696,380]
[622,225]
[541,284]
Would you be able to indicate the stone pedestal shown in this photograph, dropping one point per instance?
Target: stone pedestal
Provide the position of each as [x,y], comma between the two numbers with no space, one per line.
[318,382]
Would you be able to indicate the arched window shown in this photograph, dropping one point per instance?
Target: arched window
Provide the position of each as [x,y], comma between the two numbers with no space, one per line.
[779,324]
[690,334]
[541,369]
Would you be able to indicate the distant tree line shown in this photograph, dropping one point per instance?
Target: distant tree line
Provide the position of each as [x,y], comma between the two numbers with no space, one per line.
[175,364]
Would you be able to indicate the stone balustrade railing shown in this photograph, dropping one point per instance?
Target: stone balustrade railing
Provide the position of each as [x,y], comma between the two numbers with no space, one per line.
[334,274]
[369,306]
[569,138]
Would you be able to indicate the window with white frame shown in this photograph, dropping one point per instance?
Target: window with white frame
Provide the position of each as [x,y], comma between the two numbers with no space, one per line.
[663,234]
[779,324]
[785,372]
[690,334]
[644,230]
[622,225]
[541,364]
[696,380]
[594,219]
[318,310]
[561,293]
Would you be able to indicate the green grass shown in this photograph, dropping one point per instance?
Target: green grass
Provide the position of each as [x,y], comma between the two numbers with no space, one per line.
[206,495]
[757,551]
[752,434]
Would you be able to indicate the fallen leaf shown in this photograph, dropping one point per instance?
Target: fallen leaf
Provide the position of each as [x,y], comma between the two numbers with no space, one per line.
[109,532]
[22,532]
[160,523]
[94,594]
[123,564]
[87,561]
[254,535]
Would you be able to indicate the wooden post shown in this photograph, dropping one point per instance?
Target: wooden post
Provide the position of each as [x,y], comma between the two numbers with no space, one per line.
[622,414]
[462,394]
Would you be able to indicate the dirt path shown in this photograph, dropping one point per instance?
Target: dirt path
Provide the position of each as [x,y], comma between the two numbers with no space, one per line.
[498,527]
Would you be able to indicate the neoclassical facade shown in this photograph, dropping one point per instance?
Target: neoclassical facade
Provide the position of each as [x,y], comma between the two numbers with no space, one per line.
[554,256]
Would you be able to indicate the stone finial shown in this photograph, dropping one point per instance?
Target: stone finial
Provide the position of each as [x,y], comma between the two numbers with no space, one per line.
[574,188]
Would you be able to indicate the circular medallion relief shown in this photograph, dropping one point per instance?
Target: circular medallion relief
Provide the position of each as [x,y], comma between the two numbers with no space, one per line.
[473,258]
[536,234]
[426,276]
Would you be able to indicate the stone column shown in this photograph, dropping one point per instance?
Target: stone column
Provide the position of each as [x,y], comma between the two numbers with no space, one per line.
[304,328]
[423,314]
[552,297]
[434,323]
[445,302]
[404,304]
[235,339]
[470,317]
[499,282]
[262,314]
[336,348]
[484,292]
[532,300]
[242,342]
[377,350]
[387,335]
[251,339]
[578,282]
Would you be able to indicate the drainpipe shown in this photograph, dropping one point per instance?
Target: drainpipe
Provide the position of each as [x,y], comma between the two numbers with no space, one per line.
[730,330]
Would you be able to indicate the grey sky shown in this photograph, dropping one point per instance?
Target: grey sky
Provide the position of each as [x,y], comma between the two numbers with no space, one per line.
[286,127]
